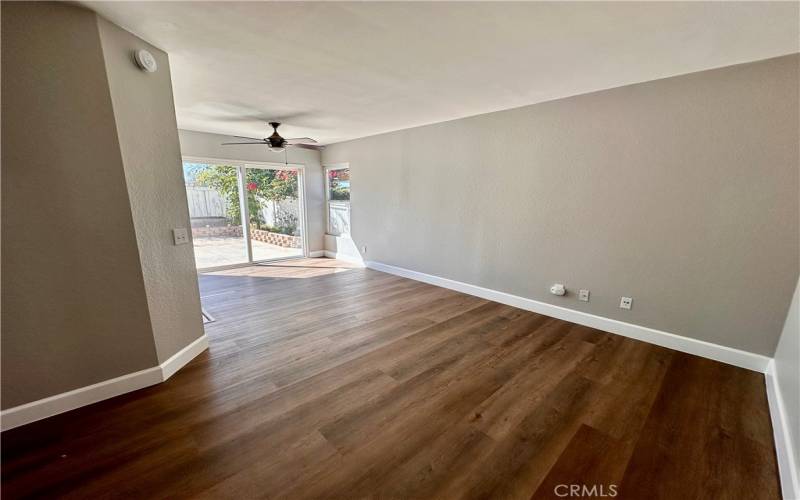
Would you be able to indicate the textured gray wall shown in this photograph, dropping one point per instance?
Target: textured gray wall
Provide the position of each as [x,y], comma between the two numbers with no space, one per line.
[73,299]
[681,193]
[92,287]
[148,139]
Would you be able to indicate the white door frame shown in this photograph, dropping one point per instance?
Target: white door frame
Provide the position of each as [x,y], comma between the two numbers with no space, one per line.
[241,171]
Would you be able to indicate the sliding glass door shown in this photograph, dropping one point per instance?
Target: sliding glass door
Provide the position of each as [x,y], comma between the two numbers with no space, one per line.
[223,195]
[214,210]
[273,204]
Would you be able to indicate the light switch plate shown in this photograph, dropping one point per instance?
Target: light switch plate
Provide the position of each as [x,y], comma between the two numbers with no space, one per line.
[180,235]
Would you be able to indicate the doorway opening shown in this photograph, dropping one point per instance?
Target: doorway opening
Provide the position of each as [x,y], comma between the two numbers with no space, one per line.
[244,213]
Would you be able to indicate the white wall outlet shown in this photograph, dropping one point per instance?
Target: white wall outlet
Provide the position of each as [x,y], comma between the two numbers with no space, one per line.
[364,249]
[625,303]
[558,289]
[180,236]
[583,295]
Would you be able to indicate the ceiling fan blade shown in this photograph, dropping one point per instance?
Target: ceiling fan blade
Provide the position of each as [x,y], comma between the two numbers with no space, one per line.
[308,146]
[301,139]
[262,143]
[248,138]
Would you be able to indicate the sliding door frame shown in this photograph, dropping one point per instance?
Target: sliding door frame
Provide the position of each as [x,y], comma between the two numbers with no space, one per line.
[301,201]
[241,171]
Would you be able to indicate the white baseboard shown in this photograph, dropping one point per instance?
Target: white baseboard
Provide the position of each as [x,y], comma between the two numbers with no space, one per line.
[790,477]
[316,254]
[347,258]
[180,358]
[60,403]
[729,355]
[84,396]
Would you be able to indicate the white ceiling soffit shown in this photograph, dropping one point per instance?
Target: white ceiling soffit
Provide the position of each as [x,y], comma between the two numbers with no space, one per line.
[338,71]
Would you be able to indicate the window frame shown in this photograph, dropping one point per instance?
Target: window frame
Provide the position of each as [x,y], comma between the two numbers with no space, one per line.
[327,181]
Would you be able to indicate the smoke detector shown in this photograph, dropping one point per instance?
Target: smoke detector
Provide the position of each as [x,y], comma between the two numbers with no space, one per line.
[145,61]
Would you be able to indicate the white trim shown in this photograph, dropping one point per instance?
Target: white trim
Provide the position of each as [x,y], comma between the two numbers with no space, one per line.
[790,482]
[345,257]
[84,396]
[327,187]
[53,405]
[244,211]
[316,253]
[729,355]
[236,163]
[336,166]
[180,358]
[302,206]
[301,202]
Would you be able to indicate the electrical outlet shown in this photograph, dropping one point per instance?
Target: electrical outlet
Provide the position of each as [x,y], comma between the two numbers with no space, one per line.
[583,295]
[625,303]
[364,249]
[180,236]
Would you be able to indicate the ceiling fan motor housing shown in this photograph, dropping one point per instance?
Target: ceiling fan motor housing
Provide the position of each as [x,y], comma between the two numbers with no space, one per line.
[276,142]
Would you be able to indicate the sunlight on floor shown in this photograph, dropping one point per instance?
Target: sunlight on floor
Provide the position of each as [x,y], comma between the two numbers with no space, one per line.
[294,268]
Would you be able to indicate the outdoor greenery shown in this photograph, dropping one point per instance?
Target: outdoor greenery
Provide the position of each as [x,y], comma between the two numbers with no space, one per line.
[262,185]
[339,182]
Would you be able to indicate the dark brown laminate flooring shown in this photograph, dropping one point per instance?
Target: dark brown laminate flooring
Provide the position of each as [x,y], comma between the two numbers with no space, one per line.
[324,381]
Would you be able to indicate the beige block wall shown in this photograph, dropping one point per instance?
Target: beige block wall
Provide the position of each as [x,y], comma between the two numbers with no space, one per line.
[681,193]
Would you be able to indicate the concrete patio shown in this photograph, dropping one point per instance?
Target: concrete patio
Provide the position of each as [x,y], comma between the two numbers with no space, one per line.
[215,251]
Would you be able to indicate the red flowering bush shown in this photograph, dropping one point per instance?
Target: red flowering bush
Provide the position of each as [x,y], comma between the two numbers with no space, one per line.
[285,175]
[261,184]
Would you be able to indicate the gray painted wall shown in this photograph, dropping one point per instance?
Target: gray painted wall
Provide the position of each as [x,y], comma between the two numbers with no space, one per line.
[92,287]
[681,193]
[73,298]
[787,370]
[148,138]
[206,145]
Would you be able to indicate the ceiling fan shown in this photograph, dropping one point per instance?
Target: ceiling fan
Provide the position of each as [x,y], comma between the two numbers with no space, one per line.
[277,143]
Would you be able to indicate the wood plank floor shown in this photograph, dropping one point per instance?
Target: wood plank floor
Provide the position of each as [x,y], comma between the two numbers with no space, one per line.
[329,382]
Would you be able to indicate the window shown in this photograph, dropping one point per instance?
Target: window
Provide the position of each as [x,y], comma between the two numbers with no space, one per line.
[337,180]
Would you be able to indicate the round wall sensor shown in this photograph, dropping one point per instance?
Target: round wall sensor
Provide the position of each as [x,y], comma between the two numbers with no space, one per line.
[145,60]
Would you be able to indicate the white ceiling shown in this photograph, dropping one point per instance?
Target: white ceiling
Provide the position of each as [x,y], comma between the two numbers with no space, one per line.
[337,71]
